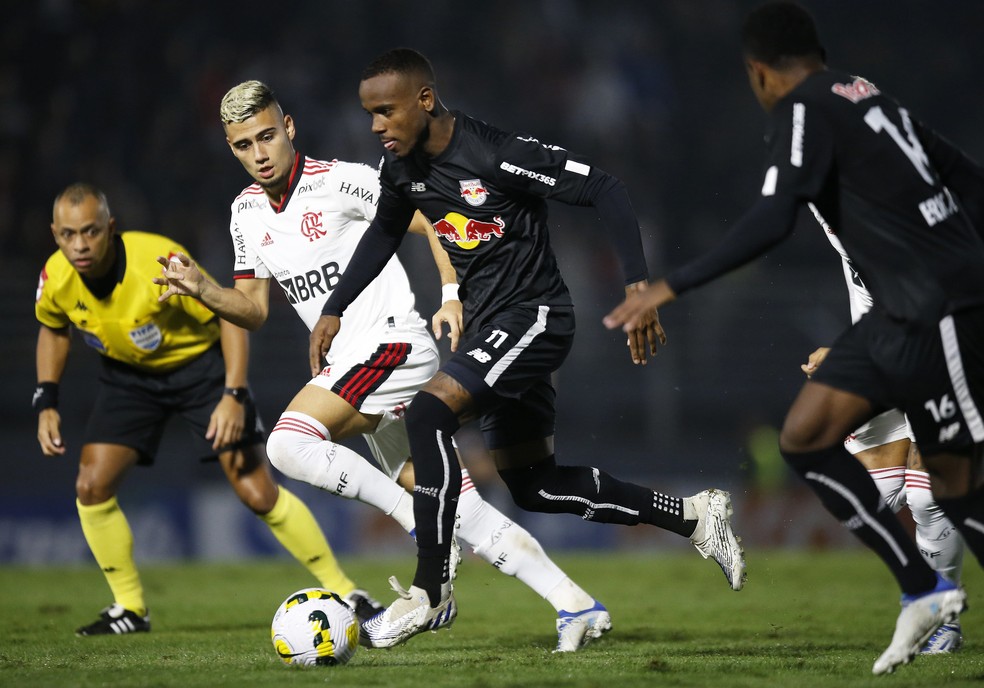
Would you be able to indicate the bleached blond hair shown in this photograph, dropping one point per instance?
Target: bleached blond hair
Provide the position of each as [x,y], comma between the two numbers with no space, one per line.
[245,100]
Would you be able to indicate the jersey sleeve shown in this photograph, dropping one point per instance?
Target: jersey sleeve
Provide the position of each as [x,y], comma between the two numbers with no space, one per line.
[801,151]
[358,187]
[246,264]
[46,310]
[543,170]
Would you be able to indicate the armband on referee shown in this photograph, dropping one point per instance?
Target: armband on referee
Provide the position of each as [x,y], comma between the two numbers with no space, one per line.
[45,396]
[449,292]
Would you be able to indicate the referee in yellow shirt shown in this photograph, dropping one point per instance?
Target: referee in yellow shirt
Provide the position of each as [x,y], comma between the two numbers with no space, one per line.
[159,359]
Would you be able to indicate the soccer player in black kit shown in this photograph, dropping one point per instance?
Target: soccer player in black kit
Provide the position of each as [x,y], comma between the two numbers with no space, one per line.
[485,192]
[906,205]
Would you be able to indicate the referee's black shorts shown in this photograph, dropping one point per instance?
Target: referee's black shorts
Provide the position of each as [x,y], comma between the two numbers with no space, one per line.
[132,407]
[506,366]
[934,373]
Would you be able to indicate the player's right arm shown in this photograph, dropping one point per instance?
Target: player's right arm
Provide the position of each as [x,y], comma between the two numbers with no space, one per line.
[377,245]
[52,354]
[451,311]
[247,305]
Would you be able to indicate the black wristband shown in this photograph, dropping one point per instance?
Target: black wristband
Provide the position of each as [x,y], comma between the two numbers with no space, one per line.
[240,394]
[45,396]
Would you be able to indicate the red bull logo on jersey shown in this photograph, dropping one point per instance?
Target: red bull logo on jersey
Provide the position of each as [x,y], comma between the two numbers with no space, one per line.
[473,191]
[466,232]
[311,226]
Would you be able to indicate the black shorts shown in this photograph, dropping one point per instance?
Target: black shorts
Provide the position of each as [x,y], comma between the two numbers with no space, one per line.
[934,374]
[506,367]
[132,407]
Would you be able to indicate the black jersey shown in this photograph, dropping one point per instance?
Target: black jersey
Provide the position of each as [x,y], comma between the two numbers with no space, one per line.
[486,196]
[839,142]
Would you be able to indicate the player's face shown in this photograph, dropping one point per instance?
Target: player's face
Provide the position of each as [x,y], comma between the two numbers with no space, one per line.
[264,145]
[400,110]
[84,233]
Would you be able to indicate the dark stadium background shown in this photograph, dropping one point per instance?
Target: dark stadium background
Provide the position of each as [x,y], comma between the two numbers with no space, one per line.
[125,94]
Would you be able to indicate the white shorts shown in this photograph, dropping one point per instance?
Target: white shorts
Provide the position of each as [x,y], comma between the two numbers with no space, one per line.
[380,379]
[890,426]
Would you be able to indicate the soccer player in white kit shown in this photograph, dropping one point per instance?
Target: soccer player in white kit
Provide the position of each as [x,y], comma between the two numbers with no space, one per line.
[885,446]
[299,224]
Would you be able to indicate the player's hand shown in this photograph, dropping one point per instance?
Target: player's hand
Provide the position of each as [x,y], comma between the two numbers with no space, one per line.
[181,277]
[227,423]
[322,336]
[646,331]
[451,312]
[816,358]
[49,432]
[638,304]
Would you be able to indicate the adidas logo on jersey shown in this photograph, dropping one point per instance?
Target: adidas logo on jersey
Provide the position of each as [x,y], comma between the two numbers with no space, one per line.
[267,240]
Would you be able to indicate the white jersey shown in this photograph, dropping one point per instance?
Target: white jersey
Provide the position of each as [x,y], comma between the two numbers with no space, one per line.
[861,300]
[306,245]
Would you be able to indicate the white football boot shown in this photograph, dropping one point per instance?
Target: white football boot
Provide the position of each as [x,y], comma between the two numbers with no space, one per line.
[921,615]
[714,537]
[577,629]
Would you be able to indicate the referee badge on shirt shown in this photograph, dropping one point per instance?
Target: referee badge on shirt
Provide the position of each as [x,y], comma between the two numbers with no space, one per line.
[146,337]
[473,191]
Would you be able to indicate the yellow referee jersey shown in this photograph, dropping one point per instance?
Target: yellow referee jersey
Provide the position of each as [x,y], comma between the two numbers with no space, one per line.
[129,325]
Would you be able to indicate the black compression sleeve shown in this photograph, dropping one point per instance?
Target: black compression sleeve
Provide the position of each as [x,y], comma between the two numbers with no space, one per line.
[376,247]
[765,224]
[962,175]
[622,226]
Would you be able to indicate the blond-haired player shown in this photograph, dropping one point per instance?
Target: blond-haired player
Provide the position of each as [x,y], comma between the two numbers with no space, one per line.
[299,224]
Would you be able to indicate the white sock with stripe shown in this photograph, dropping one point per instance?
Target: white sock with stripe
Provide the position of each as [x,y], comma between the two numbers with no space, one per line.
[510,548]
[891,484]
[300,447]
[939,541]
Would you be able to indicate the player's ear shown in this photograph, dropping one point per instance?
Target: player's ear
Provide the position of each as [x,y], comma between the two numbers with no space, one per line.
[426,99]
[289,126]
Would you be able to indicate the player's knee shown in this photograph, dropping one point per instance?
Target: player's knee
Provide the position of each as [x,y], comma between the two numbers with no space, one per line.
[428,412]
[526,484]
[282,449]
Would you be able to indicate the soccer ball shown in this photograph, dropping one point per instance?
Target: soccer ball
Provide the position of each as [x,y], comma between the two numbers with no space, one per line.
[314,627]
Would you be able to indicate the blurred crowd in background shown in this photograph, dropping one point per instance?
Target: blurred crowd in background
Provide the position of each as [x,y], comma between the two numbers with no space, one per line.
[125,93]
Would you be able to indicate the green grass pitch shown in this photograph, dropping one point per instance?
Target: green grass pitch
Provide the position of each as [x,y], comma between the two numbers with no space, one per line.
[803,619]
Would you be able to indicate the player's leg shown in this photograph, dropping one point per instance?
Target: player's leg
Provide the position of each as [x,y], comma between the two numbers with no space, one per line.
[812,444]
[195,390]
[102,468]
[303,446]
[124,428]
[940,543]
[882,447]
[511,549]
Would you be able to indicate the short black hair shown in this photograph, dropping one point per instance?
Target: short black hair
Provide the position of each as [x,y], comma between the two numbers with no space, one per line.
[777,31]
[400,61]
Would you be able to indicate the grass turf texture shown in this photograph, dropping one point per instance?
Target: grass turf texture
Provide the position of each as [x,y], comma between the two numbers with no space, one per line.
[803,620]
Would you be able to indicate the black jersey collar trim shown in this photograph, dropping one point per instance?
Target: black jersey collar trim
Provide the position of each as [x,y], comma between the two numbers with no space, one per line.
[296,173]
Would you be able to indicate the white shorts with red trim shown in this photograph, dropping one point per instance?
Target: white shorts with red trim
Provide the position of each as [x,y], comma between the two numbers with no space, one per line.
[380,379]
[885,428]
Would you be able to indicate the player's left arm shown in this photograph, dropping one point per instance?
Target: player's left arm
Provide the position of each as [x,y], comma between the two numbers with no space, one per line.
[552,172]
[451,310]
[228,420]
[958,171]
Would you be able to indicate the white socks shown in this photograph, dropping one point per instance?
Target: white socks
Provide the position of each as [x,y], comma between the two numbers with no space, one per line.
[511,549]
[937,539]
[300,447]
[891,483]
